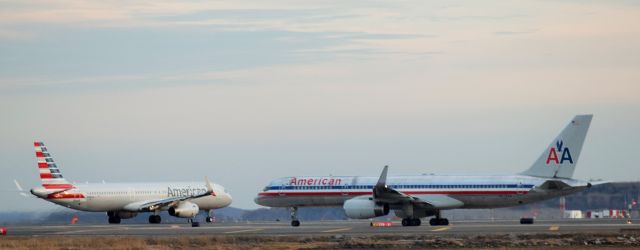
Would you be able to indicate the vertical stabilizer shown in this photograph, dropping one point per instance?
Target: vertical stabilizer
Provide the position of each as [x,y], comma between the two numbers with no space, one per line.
[561,156]
[50,174]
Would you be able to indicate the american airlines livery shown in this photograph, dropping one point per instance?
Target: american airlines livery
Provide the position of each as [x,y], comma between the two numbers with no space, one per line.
[415,197]
[126,200]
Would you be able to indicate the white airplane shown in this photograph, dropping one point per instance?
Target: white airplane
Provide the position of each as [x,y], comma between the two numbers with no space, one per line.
[126,200]
[415,197]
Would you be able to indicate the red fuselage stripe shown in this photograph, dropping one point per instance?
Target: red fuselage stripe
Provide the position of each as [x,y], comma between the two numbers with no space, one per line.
[57,186]
[55,196]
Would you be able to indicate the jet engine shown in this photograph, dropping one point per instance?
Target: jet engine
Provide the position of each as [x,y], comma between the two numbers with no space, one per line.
[184,209]
[122,214]
[363,207]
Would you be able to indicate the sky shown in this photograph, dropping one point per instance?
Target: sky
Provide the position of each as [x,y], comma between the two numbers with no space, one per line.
[247,91]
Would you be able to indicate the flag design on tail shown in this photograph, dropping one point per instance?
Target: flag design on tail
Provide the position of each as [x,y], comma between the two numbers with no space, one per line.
[49,172]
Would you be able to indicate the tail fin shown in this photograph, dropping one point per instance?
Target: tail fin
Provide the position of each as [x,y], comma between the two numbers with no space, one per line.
[49,172]
[561,156]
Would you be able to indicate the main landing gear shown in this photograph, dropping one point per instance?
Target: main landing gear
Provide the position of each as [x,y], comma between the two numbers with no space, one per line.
[114,220]
[294,217]
[113,217]
[411,222]
[155,219]
[438,220]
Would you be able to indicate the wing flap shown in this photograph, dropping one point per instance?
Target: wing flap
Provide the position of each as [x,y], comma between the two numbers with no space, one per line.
[438,201]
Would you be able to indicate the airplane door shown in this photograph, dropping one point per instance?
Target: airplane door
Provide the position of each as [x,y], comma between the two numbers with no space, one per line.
[281,190]
[345,186]
[520,190]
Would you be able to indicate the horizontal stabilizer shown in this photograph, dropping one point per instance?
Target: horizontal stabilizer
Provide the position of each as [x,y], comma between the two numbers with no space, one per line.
[554,185]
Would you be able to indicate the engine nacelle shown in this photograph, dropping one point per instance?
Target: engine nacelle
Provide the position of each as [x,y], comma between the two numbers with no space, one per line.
[122,214]
[363,207]
[184,210]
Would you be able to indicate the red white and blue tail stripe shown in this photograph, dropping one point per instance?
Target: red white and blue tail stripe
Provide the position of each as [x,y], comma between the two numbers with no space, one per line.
[50,174]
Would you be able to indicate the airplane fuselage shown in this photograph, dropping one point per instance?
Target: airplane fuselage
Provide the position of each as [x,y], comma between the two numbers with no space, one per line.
[472,191]
[98,197]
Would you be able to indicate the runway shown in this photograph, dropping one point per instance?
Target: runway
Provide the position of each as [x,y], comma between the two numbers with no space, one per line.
[329,228]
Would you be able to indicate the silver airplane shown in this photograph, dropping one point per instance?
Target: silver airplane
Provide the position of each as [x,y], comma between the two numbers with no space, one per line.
[420,196]
[126,200]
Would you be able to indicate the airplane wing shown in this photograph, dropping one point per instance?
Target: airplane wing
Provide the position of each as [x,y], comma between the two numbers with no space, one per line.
[385,194]
[559,185]
[152,205]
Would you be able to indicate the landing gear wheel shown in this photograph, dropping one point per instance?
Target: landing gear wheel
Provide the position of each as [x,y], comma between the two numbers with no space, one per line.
[154,219]
[444,222]
[526,221]
[195,224]
[294,216]
[210,216]
[411,222]
[439,222]
[114,220]
[295,223]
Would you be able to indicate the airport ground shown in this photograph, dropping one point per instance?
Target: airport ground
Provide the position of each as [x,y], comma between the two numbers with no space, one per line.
[565,234]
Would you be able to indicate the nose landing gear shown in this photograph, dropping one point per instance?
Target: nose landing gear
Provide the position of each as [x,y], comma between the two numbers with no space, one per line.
[294,217]
[194,222]
[210,217]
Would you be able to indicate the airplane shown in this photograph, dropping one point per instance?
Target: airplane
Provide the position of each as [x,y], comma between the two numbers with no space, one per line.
[126,200]
[419,196]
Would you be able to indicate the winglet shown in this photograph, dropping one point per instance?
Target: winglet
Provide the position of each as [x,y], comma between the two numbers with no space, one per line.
[382,182]
[19,188]
[209,187]
[18,185]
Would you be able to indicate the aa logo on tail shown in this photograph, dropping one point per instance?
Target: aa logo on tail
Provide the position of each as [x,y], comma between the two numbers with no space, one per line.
[554,151]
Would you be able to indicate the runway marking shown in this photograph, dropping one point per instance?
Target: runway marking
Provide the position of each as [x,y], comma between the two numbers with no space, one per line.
[90,230]
[554,228]
[441,229]
[244,231]
[337,230]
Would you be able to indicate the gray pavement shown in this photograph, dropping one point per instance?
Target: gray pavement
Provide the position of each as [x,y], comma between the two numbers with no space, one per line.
[329,228]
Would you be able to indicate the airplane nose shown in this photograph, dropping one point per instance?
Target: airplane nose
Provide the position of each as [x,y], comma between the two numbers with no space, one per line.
[258,200]
[228,199]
